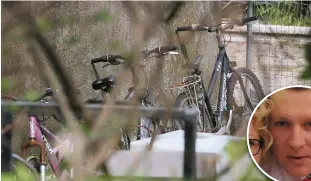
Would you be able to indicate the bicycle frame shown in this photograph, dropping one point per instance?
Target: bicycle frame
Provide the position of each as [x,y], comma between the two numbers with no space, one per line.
[39,135]
[221,64]
[130,96]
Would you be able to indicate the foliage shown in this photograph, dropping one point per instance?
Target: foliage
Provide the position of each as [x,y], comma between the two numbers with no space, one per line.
[236,150]
[32,95]
[103,15]
[20,172]
[283,13]
[44,24]
[6,84]
[72,40]
[307,71]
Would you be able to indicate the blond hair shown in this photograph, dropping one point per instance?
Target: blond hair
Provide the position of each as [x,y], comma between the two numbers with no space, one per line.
[260,120]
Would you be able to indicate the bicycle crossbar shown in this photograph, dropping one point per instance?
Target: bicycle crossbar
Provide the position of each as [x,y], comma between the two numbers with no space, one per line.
[188,115]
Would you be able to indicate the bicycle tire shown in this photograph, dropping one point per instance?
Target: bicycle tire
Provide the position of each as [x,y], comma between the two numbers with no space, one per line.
[235,125]
[178,103]
[18,159]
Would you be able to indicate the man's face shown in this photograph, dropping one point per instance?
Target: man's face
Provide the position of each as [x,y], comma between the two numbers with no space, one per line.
[291,131]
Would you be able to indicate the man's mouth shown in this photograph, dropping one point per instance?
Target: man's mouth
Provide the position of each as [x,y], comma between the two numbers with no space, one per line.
[298,157]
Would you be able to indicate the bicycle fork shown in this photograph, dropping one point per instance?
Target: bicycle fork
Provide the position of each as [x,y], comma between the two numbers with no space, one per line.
[227,130]
[31,143]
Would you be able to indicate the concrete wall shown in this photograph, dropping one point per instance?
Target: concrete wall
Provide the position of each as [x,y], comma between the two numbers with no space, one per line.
[94,40]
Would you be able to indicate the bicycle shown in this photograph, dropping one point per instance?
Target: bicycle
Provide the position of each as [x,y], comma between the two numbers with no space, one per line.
[14,168]
[40,136]
[195,93]
[108,83]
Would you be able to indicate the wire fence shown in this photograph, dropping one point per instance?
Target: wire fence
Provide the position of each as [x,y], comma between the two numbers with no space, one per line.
[278,43]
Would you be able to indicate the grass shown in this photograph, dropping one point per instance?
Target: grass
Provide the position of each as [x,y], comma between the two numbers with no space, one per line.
[286,13]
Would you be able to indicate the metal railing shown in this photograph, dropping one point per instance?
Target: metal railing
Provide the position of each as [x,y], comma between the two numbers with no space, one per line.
[188,115]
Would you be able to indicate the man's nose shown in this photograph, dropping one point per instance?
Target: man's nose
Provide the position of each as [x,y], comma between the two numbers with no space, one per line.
[296,139]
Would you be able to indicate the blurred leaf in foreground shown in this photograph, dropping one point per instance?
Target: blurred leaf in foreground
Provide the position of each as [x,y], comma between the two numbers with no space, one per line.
[44,24]
[72,40]
[32,95]
[254,174]
[236,149]
[6,84]
[7,177]
[128,55]
[306,74]
[116,45]
[68,20]
[103,15]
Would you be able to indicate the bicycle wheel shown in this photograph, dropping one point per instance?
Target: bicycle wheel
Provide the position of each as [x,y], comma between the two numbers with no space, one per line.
[144,126]
[185,101]
[241,110]
[23,171]
[125,141]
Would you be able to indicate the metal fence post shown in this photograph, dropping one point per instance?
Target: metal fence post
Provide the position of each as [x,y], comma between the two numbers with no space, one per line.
[189,151]
[249,51]
[249,37]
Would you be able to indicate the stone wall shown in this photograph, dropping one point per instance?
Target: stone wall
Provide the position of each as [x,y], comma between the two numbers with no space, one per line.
[94,40]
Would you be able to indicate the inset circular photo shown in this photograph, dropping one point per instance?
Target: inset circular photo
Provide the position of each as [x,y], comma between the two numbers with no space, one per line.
[279,134]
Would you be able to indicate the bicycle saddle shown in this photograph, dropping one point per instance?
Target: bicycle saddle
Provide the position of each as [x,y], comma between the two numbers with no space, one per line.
[106,83]
[194,64]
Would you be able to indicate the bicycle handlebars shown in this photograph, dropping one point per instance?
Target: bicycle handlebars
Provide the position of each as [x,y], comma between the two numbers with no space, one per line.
[246,20]
[160,50]
[113,59]
[196,27]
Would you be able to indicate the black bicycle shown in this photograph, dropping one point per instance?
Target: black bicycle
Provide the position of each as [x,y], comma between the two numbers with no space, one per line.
[145,125]
[226,117]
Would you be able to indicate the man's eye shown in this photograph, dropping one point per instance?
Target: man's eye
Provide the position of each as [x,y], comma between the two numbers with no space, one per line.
[282,123]
[253,143]
[308,124]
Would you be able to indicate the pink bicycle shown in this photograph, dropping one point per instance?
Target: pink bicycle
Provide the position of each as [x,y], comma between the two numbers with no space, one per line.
[40,136]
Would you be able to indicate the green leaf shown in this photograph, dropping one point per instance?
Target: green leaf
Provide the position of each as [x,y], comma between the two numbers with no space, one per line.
[13,108]
[5,52]
[22,171]
[236,149]
[308,51]
[72,40]
[68,20]
[128,55]
[6,84]
[103,15]
[7,177]
[116,45]
[44,24]
[85,128]
[32,95]
[306,74]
